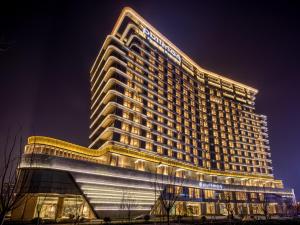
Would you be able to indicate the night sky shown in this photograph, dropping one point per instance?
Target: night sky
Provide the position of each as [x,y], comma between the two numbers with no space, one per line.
[48,48]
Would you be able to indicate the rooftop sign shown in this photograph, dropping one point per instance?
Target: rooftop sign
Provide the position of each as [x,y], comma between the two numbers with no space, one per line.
[166,48]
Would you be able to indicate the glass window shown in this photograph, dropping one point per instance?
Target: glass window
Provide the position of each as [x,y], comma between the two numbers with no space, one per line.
[74,206]
[209,194]
[46,207]
[210,208]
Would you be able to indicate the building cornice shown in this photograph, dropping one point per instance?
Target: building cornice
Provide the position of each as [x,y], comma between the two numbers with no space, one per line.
[129,12]
[40,140]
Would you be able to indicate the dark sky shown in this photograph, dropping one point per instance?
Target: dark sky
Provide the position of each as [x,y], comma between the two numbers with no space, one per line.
[50,47]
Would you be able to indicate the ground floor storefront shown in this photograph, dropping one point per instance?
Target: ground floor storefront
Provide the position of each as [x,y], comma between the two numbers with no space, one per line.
[63,207]
[225,209]
[50,206]
[61,188]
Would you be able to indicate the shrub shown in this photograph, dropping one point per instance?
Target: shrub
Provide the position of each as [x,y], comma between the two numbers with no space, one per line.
[36,220]
[147,217]
[179,217]
[203,219]
[230,217]
[107,219]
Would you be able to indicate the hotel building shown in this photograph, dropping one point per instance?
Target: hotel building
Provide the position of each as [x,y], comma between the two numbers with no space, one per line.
[155,113]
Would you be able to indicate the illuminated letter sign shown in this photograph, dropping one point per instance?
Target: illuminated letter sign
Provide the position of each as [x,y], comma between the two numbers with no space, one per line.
[167,49]
[210,186]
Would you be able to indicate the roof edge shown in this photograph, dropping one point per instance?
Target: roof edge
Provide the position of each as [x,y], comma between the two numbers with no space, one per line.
[127,11]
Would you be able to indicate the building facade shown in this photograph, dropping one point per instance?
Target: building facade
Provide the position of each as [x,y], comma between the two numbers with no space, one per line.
[158,120]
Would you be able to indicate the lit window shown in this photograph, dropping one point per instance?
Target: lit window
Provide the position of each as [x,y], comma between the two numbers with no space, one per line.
[125,115]
[135,130]
[124,139]
[149,146]
[134,142]
[127,103]
[209,194]
[125,127]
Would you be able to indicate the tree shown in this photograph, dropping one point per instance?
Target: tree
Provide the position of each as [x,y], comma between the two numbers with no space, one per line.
[228,205]
[297,208]
[265,204]
[243,214]
[170,187]
[75,210]
[128,203]
[79,205]
[12,180]
[290,208]
[40,203]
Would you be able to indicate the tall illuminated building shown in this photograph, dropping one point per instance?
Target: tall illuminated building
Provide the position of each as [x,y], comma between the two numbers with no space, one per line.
[154,111]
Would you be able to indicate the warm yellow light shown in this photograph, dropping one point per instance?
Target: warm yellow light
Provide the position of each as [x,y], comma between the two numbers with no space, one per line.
[129,12]
[135,154]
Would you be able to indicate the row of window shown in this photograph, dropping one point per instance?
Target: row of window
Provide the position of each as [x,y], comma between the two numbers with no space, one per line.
[159,61]
[135,142]
[193,134]
[173,88]
[190,114]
